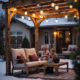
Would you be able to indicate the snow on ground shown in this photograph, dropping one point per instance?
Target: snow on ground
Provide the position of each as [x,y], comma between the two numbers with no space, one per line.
[3,70]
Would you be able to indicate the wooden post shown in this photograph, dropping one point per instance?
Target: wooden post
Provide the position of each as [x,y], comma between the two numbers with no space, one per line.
[36,23]
[79,25]
[8,55]
[36,40]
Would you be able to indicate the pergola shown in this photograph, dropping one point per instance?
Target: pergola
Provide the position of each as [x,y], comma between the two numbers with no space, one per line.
[37,10]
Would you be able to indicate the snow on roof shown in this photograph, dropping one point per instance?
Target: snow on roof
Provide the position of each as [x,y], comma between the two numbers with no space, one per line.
[51,22]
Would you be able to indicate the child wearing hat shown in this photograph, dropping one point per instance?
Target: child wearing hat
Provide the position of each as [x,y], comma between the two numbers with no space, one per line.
[45,54]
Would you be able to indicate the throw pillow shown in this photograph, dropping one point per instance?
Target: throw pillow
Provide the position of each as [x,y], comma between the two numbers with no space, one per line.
[33,57]
[21,58]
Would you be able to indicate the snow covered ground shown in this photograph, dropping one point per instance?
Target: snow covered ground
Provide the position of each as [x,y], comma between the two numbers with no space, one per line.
[3,70]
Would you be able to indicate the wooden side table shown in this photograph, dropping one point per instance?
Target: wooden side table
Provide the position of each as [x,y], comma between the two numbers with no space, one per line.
[55,65]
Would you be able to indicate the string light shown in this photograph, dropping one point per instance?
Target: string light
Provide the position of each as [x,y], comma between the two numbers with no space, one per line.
[71,6]
[75,0]
[33,14]
[74,16]
[56,7]
[28,18]
[46,20]
[41,11]
[56,20]
[22,17]
[52,4]
[26,13]
[66,16]
[38,5]
[14,9]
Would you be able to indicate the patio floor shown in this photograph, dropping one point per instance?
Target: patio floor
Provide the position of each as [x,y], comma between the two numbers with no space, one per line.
[63,75]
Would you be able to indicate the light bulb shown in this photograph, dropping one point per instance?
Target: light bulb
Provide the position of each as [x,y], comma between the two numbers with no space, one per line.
[66,16]
[40,15]
[56,7]
[22,17]
[26,13]
[52,4]
[38,5]
[75,0]
[56,20]
[41,11]
[46,20]
[14,9]
[74,16]
[33,14]
[28,18]
[71,6]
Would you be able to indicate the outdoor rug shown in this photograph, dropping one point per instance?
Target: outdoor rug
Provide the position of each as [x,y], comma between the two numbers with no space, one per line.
[63,75]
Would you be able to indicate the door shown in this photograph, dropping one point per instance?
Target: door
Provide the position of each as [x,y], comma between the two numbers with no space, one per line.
[63,40]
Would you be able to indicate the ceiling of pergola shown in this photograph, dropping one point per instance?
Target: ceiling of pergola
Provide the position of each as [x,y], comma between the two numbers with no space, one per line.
[45,5]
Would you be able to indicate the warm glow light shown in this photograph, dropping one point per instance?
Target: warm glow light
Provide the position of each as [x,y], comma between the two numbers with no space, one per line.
[40,15]
[56,20]
[41,11]
[22,17]
[54,32]
[33,14]
[46,20]
[28,18]
[56,7]
[71,6]
[69,33]
[74,16]
[78,17]
[52,4]
[66,16]
[14,9]
[26,13]
[38,5]
[75,0]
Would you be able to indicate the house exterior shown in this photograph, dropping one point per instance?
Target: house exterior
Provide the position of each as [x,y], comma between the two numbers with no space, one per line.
[56,35]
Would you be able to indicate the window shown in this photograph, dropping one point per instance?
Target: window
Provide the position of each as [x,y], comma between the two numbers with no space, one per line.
[18,35]
[70,18]
[46,38]
[67,36]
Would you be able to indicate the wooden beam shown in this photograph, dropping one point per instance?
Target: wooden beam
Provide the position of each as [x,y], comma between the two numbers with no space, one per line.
[8,55]
[36,23]
[26,2]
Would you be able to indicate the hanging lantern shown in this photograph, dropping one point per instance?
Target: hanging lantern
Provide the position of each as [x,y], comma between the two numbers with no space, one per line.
[46,20]
[33,14]
[56,7]
[71,6]
[66,16]
[26,13]
[28,18]
[52,4]
[41,11]
[56,20]
[22,17]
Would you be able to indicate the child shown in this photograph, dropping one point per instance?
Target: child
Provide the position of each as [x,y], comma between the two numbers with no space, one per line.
[45,54]
[53,55]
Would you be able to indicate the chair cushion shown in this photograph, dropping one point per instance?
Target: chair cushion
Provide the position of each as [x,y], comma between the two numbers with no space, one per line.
[72,47]
[33,57]
[67,52]
[17,52]
[30,51]
[42,62]
[19,65]
[32,64]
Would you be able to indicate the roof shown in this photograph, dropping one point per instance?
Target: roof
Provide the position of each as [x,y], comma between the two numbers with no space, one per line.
[62,22]
[51,22]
